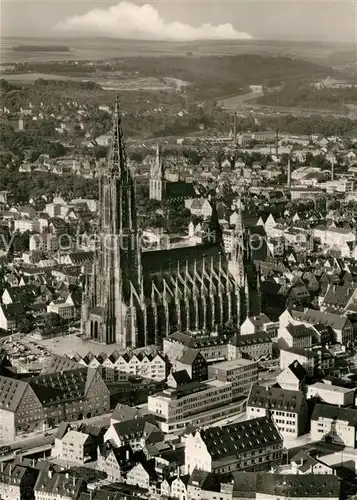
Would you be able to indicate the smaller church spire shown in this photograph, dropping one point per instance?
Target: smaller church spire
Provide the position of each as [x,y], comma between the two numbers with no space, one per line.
[215,234]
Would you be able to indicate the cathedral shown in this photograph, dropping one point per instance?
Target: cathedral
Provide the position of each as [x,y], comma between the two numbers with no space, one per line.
[134,297]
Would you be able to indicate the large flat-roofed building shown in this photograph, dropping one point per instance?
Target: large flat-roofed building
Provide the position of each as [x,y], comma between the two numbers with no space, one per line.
[251,445]
[331,394]
[242,373]
[174,409]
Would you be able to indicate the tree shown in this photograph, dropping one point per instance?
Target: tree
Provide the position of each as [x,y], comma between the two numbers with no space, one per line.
[53,321]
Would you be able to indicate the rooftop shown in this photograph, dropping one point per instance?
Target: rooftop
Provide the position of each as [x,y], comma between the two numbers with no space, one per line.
[241,437]
[276,398]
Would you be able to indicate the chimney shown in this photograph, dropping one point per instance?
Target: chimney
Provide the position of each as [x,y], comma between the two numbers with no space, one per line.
[50,474]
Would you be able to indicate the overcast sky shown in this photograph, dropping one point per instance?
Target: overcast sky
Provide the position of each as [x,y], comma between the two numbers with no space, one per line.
[320,20]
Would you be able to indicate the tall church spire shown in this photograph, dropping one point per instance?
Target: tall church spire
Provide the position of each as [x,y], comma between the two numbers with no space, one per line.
[117,262]
[117,156]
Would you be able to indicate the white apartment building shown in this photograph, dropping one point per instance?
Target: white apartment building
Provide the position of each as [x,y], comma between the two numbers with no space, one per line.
[334,424]
[176,408]
[71,447]
[288,409]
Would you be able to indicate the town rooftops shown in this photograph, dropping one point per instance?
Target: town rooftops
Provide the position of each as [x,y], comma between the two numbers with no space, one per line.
[58,363]
[275,398]
[12,474]
[259,320]
[70,384]
[300,351]
[123,412]
[252,339]
[312,316]
[11,392]
[241,437]
[298,486]
[59,484]
[299,331]
[198,341]
[138,428]
[338,296]
[325,411]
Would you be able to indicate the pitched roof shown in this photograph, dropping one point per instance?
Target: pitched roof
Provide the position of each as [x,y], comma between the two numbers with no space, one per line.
[124,412]
[60,484]
[66,385]
[299,331]
[300,351]
[335,413]
[338,296]
[160,260]
[13,311]
[58,363]
[241,437]
[181,377]
[312,316]
[11,393]
[276,398]
[138,427]
[298,370]
[298,486]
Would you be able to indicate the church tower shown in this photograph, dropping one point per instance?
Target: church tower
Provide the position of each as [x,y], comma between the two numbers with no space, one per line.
[116,266]
[157,177]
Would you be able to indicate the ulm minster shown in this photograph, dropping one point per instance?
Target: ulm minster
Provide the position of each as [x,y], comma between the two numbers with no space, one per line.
[135,298]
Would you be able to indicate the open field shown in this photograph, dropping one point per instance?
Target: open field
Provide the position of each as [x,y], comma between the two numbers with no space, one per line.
[107,82]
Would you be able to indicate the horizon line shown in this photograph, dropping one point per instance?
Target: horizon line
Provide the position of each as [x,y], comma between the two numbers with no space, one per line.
[199,40]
